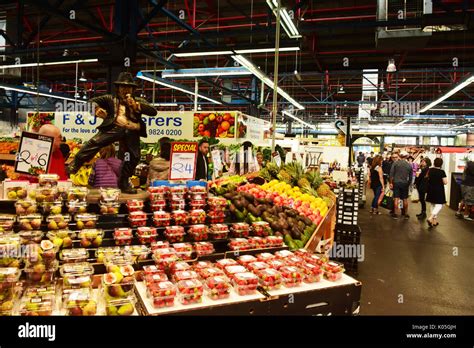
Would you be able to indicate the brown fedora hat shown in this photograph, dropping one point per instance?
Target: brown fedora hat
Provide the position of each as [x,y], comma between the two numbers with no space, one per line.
[125,78]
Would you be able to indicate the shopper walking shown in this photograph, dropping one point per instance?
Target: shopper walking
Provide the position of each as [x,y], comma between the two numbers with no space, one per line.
[401,175]
[375,182]
[370,159]
[435,193]
[421,184]
[467,191]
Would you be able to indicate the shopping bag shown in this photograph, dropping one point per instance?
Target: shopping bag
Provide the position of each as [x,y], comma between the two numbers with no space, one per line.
[415,197]
[387,200]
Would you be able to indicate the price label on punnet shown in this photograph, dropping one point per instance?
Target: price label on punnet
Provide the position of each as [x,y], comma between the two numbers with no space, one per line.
[34,153]
[183,160]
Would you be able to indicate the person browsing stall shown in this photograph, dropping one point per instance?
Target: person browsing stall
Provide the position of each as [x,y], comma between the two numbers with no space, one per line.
[57,162]
[201,161]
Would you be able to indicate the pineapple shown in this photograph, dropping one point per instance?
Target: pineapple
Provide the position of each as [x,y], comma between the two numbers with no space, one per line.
[295,170]
[265,174]
[309,190]
[314,178]
[323,190]
[328,201]
[272,169]
[304,183]
[284,176]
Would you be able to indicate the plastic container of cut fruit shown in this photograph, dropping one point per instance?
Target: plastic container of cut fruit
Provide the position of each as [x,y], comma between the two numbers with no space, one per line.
[261,229]
[25,207]
[164,253]
[174,234]
[43,194]
[146,235]
[151,269]
[138,252]
[44,253]
[106,252]
[160,244]
[58,222]
[333,270]
[76,275]
[135,205]
[219,231]
[137,219]
[294,261]
[7,221]
[77,207]
[240,230]
[37,306]
[158,204]
[245,283]
[190,291]
[85,220]
[312,273]
[196,203]
[292,276]
[217,203]
[162,189]
[197,216]
[123,236]
[16,192]
[48,180]
[163,294]
[41,273]
[80,302]
[201,265]
[118,284]
[91,237]
[78,194]
[316,259]
[223,263]
[161,218]
[27,237]
[53,208]
[257,242]
[178,190]
[270,279]
[216,217]
[180,217]
[303,253]
[237,244]
[205,273]
[282,254]
[231,271]
[109,208]
[274,241]
[9,276]
[203,248]
[275,264]
[217,287]
[257,266]
[198,232]
[120,307]
[177,199]
[197,189]
[184,275]
[244,260]
[74,255]
[265,257]
[180,266]
[109,194]
[155,278]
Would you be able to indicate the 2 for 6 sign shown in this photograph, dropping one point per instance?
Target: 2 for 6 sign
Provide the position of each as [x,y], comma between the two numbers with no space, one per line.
[34,153]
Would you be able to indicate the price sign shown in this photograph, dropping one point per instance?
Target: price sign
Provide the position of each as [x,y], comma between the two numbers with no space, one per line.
[34,153]
[277,158]
[183,161]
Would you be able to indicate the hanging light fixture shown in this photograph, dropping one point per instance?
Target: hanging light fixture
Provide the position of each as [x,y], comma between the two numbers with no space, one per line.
[391,67]
[341,90]
[83,77]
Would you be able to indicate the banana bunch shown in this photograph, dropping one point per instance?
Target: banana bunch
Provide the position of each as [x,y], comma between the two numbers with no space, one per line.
[81,178]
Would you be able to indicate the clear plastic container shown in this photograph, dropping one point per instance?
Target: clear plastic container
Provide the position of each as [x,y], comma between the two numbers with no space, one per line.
[46,195]
[48,180]
[245,283]
[158,205]
[37,306]
[109,194]
[62,238]
[16,192]
[257,266]
[219,231]
[184,275]
[134,205]
[58,222]
[282,254]
[205,273]
[120,307]
[257,242]
[203,248]
[76,207]
[163,294]
[198,232]
[45,253]
[164,254]
[146,235]
[137,219]
[316,259]
[231,271]
[40,290]
[76,275]
[151,279]
[23,207]
[174,234]
[312,273]
[265,257]
[119,281]
[109,208]
[123,236]
[138,252]
[161,218]
[183,247]
[151,270]
[91,237]
[86,220]
[294,261]
[53,208]
[217,203]
[270,279]
[164,190]
[261,229]
[195,203]
[197,216]
[178,189]
[216,217]
[223,263]
[75,255]
[303,253]
[185,255]
[190,291]
[244,260]
[41,273]
[77,194]
[27,237]
[180,266]
[333,271]
[275,263]
[198,189]
[274,241]
[292,276]
[237,244]
[180,217]
[178,204]
[201,265]
[218,287]
[8,278]
[160,244]
[25,222]
[62,191]
[107,252]
[80,302]
[240,230]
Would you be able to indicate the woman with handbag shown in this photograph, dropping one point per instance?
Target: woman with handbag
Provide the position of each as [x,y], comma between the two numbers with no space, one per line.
[421,183]
[435,193]
[376,183]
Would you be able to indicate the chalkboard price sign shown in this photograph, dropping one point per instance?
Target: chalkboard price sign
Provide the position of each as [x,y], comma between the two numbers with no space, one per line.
[34,153]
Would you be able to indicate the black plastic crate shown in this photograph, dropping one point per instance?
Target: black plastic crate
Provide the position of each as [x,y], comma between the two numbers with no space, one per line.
[347,234]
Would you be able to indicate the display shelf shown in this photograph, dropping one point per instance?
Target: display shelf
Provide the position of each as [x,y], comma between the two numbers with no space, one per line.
[7,157]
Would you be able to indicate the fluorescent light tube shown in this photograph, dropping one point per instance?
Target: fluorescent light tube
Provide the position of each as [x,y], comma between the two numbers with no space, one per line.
[34,92]
[205,72]
[199,54]
[448,94]
[267,50]
[242,51]
[299,120]
[165,104]
[27,65]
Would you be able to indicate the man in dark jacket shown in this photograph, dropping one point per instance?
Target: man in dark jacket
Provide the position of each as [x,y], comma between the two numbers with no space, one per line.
[201,161]
[360,159]
[123,122]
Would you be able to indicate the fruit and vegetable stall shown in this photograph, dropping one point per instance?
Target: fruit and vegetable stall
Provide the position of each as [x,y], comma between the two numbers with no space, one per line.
[238,245]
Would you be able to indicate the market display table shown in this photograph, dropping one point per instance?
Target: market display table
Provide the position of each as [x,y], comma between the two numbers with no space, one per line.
[323,298]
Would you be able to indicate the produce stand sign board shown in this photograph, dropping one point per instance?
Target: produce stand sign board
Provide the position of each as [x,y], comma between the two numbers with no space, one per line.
[183,160]
[34,153]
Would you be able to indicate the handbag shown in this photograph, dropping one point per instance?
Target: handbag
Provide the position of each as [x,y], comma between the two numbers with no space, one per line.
[415,197]
[387,200]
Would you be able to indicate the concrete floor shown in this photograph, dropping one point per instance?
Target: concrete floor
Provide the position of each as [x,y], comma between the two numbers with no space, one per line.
[407,262]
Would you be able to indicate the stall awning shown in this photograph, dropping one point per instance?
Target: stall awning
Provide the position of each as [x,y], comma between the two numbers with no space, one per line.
[448,149]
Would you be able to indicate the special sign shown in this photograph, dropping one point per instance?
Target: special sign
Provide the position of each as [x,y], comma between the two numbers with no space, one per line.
[183,160]
[34,153]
